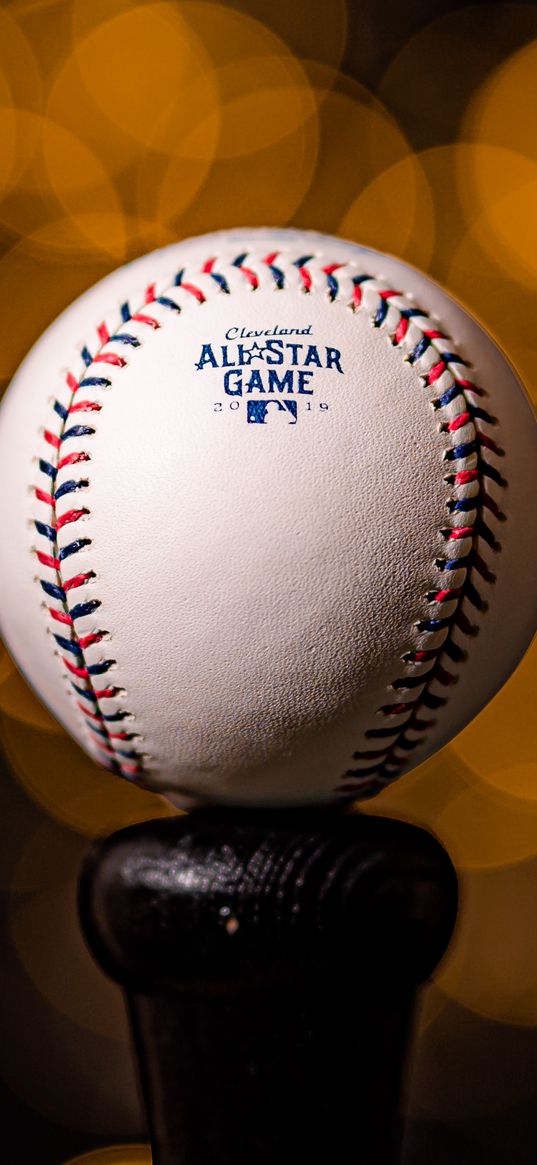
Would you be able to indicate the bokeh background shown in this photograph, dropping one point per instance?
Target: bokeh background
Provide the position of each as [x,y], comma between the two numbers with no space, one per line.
[409,127]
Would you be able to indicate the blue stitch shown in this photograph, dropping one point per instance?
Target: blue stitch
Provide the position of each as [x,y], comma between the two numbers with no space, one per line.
[166,302]
[409,312]
[115,716]
[86,356]
[219,279]
[125,312]
[47,531]
[459,452]
[359,279]
[453,358]
[47,468]
[81,609]
[129,755]
[73,548]
[333,287]
[98,669]
[277,275]
[124,338]
[454,563]
[86,693]
[433,624]
[61,410]
[78,431]
[463,504]
[69,645]
[95,382]
[447,396]
[179,278]
[239,259]
[300,262]
[53,590]
[69,487]
[381,313]
[419,350]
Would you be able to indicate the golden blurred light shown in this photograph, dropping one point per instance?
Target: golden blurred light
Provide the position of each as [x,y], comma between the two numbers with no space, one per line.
[140,106]
[499,745]
[498,189]
[395,213]
[503,110]
[116,1155]
[21,84]
[422,795]
[32,269]
[18,700]
[56,172]
[50,856]
[430,80]
[69,787]
[72,1076]
[7,667]
[265,146]
[311,28]
[358,140]
[82,994]
[491,967]
[485,828]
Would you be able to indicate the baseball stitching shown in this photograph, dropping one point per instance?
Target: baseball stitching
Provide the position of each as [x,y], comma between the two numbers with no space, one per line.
[470,459]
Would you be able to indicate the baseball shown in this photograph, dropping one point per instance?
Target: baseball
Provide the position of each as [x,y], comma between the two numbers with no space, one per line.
[267,502]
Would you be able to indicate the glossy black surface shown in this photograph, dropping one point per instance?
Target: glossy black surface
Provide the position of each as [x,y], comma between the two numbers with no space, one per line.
[270,961]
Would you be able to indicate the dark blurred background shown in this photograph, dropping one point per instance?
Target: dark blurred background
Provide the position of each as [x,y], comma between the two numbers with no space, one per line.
[409,127]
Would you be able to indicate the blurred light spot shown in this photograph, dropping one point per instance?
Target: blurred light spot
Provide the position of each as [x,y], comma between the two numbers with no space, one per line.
[150,95]
[503,110]
[7,667]
[70,787]
[491,968]
[116,1155]
[422,795]
[485,828]
[358,140]
[394,213]
[46,934]
[428,83]
[52,282]
[311,28]
[19,701]
[498,189]
[500,744]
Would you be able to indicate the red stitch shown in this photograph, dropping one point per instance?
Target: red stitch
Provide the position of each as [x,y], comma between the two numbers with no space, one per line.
[133,770]
[331,267]
[458,423]
[109,358]
[447,594]
[401,330]
[356,295]
[81,672]
[250,276]
[143,319]
[269,259]
[195,291]
[90,715]
[388,294]
[436,371]
[465,476]
[122,735]
[422,656]
[44,497]
[208,266]
[72,459]
[52,439]
[305,277]
[103,333]
[458,532]
[150,293]
[60,616]
[85,406]
[397,709]
[48,560]
[70,516]
[89,640]
[78,580]
[434,334]
[105,693]
[72,382]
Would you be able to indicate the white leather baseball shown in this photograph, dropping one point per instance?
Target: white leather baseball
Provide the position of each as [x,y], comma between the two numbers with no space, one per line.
[253,490]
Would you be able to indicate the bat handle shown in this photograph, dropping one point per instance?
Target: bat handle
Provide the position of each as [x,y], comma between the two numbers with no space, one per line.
[270,961]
